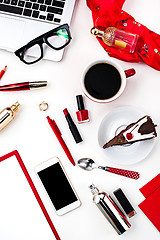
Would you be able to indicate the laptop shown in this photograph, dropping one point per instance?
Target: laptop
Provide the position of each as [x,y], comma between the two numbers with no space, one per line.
[23,20]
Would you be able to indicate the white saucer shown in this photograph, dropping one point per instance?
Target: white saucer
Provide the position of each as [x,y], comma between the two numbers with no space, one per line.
[111,125]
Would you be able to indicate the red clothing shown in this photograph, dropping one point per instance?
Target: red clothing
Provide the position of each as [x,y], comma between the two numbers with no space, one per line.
[109,13]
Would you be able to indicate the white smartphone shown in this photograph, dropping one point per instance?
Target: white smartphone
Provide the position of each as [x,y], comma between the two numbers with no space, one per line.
[57,186]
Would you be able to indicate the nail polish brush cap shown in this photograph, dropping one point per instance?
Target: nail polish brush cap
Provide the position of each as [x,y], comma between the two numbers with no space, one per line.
[82,114]
[80,102]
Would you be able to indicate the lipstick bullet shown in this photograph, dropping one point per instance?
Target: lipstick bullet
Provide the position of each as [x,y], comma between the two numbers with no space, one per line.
[72,127]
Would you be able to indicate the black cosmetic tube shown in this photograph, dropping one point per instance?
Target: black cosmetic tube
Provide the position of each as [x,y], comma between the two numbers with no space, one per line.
[72,127]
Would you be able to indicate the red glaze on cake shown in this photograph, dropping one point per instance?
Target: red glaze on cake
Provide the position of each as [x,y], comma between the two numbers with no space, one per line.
[141,130]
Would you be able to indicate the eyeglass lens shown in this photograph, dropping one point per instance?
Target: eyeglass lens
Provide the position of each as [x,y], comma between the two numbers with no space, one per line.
[32,54]
[59,39]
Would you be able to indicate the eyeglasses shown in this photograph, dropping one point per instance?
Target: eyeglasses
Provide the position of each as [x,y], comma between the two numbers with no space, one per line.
[56,39]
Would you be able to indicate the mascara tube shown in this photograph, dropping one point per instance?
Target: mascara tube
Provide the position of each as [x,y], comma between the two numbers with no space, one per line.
[72,127]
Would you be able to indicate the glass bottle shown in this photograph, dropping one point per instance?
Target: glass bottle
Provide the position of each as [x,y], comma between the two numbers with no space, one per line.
[110,210]
[114,37]
[7,114]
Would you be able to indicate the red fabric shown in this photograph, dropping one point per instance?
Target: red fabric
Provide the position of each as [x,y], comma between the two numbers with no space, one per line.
[107,13]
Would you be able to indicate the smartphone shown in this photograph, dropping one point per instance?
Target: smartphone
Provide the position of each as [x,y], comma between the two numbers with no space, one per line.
[57,185]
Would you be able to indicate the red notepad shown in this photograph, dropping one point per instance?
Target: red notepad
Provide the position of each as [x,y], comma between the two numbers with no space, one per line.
[18,206]
[151,205]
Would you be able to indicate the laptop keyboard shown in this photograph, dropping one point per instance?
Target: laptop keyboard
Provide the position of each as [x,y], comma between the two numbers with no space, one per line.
[44,10]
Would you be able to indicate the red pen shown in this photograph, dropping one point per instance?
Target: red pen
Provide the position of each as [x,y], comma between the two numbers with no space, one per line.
[58,134]
[2,71]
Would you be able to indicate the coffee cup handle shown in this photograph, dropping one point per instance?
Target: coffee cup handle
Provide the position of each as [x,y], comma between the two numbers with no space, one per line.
[130,72]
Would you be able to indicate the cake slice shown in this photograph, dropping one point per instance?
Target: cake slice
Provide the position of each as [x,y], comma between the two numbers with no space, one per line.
[141,130]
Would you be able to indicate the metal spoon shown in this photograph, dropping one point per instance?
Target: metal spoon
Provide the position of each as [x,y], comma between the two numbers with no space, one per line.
[88,164]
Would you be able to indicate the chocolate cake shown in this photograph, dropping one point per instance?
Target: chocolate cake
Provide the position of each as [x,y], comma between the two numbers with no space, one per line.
[141,130]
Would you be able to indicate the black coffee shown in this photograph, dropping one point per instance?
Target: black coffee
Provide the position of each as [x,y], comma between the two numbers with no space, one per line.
[102,81]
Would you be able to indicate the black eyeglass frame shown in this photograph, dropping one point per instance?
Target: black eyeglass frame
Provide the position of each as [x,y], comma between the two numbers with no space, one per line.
[40,40]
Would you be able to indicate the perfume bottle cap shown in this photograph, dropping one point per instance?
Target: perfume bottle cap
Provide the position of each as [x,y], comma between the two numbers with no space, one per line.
[96,32]
[15,107]
[93,189]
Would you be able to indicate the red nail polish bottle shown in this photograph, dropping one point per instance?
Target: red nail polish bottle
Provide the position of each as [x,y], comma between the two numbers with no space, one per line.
[82,114]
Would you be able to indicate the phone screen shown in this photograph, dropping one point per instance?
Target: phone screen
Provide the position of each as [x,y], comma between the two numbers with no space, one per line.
[57,186]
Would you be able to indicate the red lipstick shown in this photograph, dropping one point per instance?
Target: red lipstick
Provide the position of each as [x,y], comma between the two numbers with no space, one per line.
[72,127]
[82,114]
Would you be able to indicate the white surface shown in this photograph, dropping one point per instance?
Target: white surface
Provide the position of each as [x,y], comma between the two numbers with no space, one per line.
[31,135]
[112,124]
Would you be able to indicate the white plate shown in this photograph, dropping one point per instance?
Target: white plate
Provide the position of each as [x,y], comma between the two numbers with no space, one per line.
[111,125]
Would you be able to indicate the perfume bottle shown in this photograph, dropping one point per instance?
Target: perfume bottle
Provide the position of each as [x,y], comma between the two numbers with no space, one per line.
[110,210]
[114,37]
[7,114]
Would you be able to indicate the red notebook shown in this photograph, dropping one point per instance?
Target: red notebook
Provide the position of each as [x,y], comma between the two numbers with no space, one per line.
[151,205]
[21,217]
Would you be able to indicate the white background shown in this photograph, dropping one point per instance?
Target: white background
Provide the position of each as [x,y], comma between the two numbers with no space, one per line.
[31,135]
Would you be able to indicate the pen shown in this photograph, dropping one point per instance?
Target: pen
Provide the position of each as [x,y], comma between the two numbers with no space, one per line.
[2,71]
[58,134]
[23,86]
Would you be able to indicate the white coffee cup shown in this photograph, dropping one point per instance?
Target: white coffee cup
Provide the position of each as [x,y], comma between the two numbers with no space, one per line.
[123,75]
